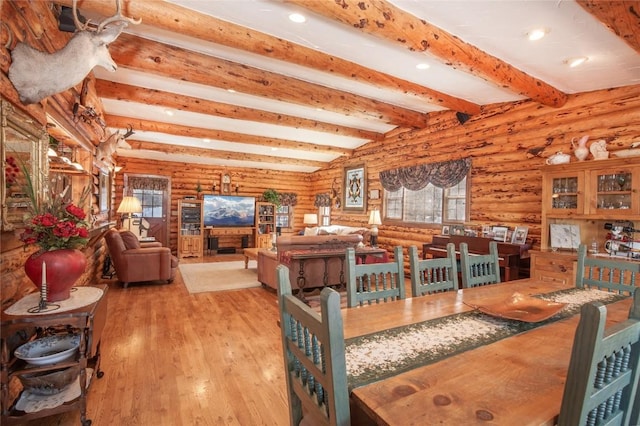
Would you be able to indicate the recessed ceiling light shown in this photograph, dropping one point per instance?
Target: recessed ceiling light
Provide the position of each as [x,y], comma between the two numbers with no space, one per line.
[273,148]
[423,66]
[206,140]
[537,34]
[231,91]
[577,61]
[169,112]
[298,18]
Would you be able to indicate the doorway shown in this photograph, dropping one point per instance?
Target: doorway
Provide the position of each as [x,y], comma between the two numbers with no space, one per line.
[154,195]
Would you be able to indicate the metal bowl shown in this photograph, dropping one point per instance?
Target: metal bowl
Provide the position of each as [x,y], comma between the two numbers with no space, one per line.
[49,382]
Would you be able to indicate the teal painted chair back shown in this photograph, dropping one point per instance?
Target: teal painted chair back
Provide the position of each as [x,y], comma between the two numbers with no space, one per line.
[314,357]
[621,276]
[375,282]
[477,270]
[604,371]
[433,275]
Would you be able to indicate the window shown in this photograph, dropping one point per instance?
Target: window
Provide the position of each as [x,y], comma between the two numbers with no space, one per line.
[283,216]
[324,213]
[151,200]
[430,204]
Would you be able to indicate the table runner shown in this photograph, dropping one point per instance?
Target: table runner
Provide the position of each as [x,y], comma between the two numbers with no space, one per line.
[390,352]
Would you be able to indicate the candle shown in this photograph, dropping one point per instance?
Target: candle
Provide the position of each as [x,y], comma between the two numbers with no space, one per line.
[43,285]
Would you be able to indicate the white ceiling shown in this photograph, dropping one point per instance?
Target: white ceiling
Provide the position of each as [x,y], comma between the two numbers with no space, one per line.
[498,28]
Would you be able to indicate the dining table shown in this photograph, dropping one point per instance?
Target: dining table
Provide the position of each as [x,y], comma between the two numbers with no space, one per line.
[516,379]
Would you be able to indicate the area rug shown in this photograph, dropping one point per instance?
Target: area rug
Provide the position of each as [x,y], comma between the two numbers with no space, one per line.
[219,276]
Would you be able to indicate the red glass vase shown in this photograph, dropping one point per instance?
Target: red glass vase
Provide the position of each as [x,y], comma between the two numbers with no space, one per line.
[64,267]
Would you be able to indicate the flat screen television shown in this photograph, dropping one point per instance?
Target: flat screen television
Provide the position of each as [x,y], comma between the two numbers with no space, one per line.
[228,210]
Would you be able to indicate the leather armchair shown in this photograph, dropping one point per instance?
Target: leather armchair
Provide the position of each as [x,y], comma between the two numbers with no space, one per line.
[136,262]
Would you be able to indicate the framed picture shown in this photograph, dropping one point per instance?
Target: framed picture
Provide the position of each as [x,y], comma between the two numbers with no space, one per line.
[355,182]
[486,231]
[500,233]
[456,230]
[564,236]
[520,235]
[104,193]
[445,230]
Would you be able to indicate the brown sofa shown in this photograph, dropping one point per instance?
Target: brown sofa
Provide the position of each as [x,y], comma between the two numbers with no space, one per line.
[314,269]
[135,262]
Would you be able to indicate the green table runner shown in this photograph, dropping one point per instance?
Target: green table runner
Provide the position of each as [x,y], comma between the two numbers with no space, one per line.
[390,352]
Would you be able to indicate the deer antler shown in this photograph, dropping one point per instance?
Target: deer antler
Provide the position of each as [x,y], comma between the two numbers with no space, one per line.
[129,131]
[117,18]
[79,25]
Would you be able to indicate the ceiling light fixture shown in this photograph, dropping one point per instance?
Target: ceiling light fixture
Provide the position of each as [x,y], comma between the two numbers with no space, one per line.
[298,18]
[537,34]
[231,91]
[577,61]
[169,112]
[206,140]
[423,66]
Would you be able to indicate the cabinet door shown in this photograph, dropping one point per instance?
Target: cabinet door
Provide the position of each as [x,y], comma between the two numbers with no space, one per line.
[563,193]
[615,191]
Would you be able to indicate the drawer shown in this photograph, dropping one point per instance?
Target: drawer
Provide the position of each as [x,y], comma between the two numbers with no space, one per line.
[552,264]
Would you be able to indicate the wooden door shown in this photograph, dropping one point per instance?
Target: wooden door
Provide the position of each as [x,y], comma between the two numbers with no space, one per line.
[155,196]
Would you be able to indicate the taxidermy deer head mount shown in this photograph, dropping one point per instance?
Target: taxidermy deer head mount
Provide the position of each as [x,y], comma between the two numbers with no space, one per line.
[36,75]
[108,147]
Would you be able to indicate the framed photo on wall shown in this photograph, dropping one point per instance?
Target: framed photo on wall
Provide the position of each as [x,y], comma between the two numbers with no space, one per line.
[445,230]
[355,189]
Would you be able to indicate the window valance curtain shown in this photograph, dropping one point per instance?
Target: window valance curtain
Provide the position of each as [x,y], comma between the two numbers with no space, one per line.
[443,175]
[285,198]
[323,200]
[148,183]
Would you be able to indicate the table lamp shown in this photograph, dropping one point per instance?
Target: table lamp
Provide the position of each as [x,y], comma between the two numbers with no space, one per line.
[310,219]
[128,206]
[374,221]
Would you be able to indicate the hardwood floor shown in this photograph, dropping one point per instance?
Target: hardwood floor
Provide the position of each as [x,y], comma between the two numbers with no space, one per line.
[171,358]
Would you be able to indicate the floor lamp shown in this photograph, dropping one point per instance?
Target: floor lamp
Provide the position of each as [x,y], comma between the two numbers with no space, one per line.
[128,206]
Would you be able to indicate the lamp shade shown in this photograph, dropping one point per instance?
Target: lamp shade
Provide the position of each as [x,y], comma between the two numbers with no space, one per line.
[310,219]
[130,205]
[374,218]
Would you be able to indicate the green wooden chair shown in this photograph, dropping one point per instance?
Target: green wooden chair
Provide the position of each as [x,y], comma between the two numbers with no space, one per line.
[604,371]
[314,357]
[615,275]
[433,275]
[477,270]
[374,282]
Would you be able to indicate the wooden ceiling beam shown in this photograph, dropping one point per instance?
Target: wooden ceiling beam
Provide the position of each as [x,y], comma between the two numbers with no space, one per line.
[173,62]
[384,20]
[163,15]
[621,17]
[113,90]
[222,135]
[170,149]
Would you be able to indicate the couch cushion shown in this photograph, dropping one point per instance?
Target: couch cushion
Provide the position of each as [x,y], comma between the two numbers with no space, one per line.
[311,231]
[130,240]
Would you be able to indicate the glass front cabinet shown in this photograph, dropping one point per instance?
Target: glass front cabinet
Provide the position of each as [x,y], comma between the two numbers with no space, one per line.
[590,194]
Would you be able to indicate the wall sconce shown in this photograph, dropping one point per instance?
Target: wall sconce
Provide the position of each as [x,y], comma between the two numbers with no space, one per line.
[374,221]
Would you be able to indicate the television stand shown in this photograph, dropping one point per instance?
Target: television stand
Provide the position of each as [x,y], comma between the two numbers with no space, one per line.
[230,239]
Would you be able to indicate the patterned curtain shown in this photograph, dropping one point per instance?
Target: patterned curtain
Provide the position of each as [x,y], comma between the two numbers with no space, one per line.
[443,175]
[141,182]
[288,198]
[323,200]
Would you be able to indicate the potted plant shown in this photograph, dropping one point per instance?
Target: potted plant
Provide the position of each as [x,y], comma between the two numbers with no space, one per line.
[272,196]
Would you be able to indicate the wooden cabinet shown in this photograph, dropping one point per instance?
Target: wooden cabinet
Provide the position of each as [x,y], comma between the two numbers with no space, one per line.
[265,224]
[191,228]
[548,265]
[87,321]
[589,194]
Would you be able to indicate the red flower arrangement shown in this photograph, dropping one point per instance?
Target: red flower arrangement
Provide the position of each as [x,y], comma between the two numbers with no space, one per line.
[54,223]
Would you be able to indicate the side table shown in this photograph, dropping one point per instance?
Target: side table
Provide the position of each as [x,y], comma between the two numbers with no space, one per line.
[88,321]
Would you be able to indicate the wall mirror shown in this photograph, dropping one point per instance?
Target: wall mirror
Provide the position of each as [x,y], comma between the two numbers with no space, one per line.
[22,141]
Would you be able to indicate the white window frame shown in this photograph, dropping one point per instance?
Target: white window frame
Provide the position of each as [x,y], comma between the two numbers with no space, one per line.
[400,196]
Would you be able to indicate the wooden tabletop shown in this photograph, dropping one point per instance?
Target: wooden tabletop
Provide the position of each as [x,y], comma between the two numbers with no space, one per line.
[516,380]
